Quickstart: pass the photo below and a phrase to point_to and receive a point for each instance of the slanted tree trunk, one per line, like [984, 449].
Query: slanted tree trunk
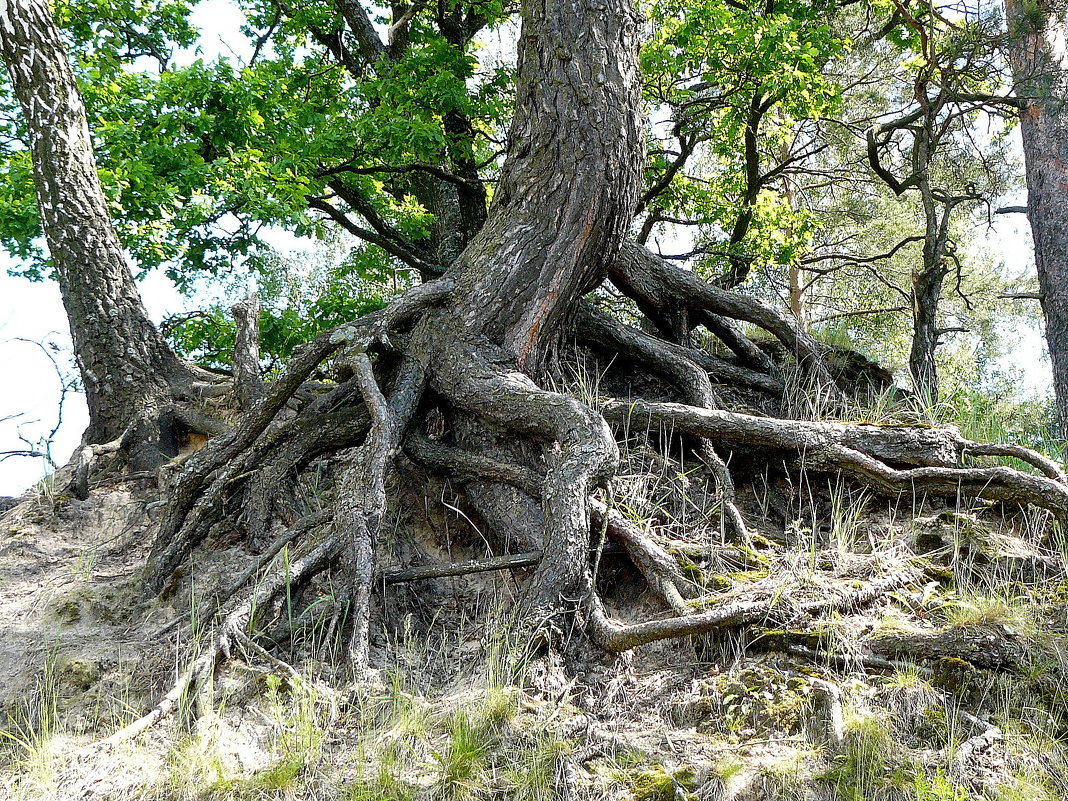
[127, 368]
[1036, 52]
[566, 196]
[569, 186]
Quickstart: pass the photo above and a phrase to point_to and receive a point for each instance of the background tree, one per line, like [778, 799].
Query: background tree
[129, 372]
[1034, 46]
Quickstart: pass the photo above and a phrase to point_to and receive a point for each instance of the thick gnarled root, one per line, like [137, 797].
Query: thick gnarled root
[580, 451]
[932, 459]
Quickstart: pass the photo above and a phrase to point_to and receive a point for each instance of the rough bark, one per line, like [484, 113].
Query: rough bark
[246, 360]
[128, 370]
[655, 564]
[926, 295]
[207, 474]
[1036, 52]
[583, 455]
[569, 184]
[566, 196]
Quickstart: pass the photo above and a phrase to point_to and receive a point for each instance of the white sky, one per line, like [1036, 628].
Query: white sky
[29, 389]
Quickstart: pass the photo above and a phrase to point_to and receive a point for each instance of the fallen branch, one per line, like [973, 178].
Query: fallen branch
[506, 562]
[988, 647]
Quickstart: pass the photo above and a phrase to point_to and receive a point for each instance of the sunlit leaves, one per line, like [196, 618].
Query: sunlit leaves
[301, 296]
[716, 69]
[197, 157]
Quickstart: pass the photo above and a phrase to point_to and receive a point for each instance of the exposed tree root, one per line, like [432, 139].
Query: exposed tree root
[362, 498]
[619, 637]
[601, 329]
[585, 455]
[986, 734]
[830, 711]
[851, 661]
[934, 456]
[276, 460]
[656, 565]
[221, 460]
[489, 564]
[659, 287]
[233, 628]
[194, 673]
[297, 530]
[82, 465]
[693, 382]
[564, 451]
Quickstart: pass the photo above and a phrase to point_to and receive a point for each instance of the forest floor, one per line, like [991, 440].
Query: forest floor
[951, 688]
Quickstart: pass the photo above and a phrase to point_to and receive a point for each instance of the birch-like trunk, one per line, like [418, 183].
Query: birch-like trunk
[127, 368]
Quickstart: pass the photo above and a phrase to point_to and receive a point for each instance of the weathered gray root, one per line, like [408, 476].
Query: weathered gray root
[656, 565]
[987, 647]
[81, 466]
[659, 569]
[279, 455]
[1047, 466]
[298, 529]
[934, 456]
[199, 672]
[362, 496]
[601, 329]
[221, 459]
[618, 637]
[512, 561]
[659, 287]
[582, 453]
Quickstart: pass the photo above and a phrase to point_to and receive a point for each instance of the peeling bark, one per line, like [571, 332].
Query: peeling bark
[1036, 48]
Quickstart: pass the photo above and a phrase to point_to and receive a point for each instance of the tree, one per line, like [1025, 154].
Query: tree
[129, 372]
[936, 128]
[455, 371]
[1035, 47]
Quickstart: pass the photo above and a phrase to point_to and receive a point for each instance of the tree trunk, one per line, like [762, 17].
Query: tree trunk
[127, 368]
[1036, 48]
[566, 196]
[570, 183]
[926, 294]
